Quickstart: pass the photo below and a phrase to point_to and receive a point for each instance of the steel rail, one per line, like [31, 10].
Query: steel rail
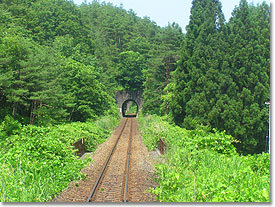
[128, 163]
[105, 165]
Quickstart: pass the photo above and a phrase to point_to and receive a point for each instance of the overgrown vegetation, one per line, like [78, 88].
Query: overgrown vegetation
[39, 162]
[202, 165]
[60, 65]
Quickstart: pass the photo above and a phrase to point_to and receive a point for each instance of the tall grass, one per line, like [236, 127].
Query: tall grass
[18, 185]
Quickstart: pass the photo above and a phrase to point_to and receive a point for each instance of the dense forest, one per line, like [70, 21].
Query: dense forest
[61, 64]
[53, 53]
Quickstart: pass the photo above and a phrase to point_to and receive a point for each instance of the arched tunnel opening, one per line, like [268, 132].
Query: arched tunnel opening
[129, 108]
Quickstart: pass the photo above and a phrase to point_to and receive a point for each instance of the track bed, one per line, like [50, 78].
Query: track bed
[129, 158]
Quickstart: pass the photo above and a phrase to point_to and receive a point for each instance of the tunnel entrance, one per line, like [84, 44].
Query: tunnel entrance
[129, 108]
[122, 97]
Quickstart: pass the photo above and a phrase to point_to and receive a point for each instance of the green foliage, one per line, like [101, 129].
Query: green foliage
[86, 98]
[37, 166]
[164, 55]
[10, 126]
[130, 67]
[92, 51]
[217, 74]
[199, 139]
[39, 162]
[129, 107]
[48, 85]
[121, 40]
[203, 166]
[61, 63]
[210, 177]
[222, 78]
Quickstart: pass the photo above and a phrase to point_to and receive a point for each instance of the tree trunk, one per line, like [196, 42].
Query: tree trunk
[40, 106]
[14, 108]
[70, 118]
[119, 42]
[167, 70]
[33, 107]
[167, 79]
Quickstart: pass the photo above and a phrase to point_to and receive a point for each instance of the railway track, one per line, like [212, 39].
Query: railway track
[112, 182]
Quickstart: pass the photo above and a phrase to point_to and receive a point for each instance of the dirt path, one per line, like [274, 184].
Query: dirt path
[141, 170]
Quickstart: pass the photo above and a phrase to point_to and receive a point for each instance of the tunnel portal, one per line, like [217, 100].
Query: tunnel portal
[124, 98]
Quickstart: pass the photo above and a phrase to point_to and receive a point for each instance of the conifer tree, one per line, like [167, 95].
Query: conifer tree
[195, 82]
[162, 62]
[249, 62]
[13, 50]
[223, 75]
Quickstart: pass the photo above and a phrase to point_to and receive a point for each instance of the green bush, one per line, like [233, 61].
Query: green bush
[202, 165]
[9, 127]
[37, 159]
[154, 127]
[39, 162]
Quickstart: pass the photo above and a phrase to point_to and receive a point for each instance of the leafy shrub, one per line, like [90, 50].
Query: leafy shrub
[203, 166]
[9, 126]
[40, 161]
[37, 158]
[153, 127]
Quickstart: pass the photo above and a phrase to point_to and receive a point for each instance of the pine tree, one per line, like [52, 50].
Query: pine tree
[162, 62]
[13, 50]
